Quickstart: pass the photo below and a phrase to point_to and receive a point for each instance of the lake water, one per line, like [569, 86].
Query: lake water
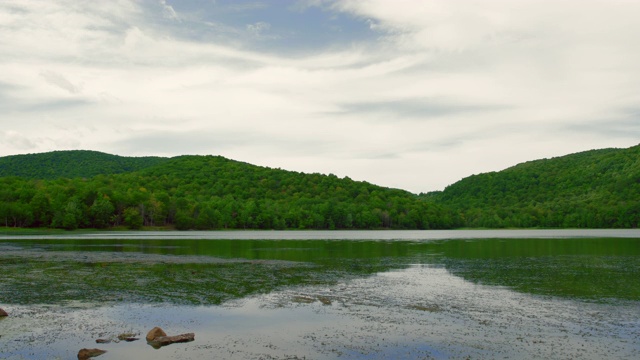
[530, 294]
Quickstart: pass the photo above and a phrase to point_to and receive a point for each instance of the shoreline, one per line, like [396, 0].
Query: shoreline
[409, 235]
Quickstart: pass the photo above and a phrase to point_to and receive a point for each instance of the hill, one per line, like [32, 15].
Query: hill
[591, 189]
[82, 189]
[72, 164]
[200, 192]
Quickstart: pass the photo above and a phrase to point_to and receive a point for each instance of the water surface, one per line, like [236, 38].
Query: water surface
[316, 295]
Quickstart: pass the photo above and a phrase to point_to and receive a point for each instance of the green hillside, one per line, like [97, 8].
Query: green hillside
[72, 164]
[204, 192]
[593, 189]
[88, 189]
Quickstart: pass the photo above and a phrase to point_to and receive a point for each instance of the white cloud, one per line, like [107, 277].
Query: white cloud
[168, 11]
[59, 81]
[14, 139]
[450, 88]
[258, 27]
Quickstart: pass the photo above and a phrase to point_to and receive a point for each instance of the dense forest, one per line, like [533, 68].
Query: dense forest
[196, 192]
[72, 164]
[88, 189]
[592, 189]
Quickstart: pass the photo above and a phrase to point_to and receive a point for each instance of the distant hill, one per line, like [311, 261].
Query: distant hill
[72, 164]
[594, 189]
[197, 192]
[88, 189]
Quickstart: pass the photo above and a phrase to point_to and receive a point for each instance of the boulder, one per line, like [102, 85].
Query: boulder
[166, 340]
[85, 354]
[154, 333]
[3, 313]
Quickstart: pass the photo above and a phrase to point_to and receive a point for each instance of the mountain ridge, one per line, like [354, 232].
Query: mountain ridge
[594, 188]
[208, 192]
[72, 164]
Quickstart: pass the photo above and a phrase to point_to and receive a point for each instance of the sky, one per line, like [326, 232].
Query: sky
[410, 94]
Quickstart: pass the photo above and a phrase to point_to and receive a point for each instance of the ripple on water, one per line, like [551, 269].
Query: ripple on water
[420, 312]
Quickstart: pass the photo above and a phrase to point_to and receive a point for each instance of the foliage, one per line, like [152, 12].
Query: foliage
[592, 189]
[205, 192]
[72, 164]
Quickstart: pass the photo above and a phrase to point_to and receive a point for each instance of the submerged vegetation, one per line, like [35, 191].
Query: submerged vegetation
[306, 298]
[209, 272]
[200, 272]
[87, 189]
[594, 269]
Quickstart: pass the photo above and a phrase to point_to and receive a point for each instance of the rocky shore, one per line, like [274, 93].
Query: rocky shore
[156, 338]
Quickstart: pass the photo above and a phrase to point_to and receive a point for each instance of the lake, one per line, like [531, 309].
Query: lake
[523, 294]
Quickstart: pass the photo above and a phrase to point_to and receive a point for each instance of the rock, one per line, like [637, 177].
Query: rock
[154, 333]
[85, 354]
[129, 337]
[324, 300]
[429, 308]
[303, 299]
[3, 313]
[166, 340]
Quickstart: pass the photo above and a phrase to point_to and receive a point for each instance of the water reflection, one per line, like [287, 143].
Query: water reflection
[595, 269]
[210, 272]
[324, 299]
[415, 313]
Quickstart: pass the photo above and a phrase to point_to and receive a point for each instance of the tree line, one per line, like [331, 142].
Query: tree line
[209, 192]
[592, 189]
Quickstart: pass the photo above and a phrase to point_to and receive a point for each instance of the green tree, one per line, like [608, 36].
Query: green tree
[71, 215]
[101, 212]
[133, 218]
[41, 209]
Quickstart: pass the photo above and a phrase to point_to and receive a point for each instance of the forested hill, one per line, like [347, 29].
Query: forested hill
[87, 189]
[199, 192]
[72, 164]
[595, 189]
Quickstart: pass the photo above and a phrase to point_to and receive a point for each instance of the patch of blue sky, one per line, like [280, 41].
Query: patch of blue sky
[279, 26]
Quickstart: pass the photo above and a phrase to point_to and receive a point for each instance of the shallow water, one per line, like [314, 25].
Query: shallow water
[557, 298]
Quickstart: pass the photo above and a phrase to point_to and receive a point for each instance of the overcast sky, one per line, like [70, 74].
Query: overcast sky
[406, 93]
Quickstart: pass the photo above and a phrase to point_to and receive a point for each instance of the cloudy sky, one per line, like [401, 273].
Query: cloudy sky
[413, 94]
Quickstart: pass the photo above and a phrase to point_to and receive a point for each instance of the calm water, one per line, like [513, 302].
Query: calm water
[325, 295]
